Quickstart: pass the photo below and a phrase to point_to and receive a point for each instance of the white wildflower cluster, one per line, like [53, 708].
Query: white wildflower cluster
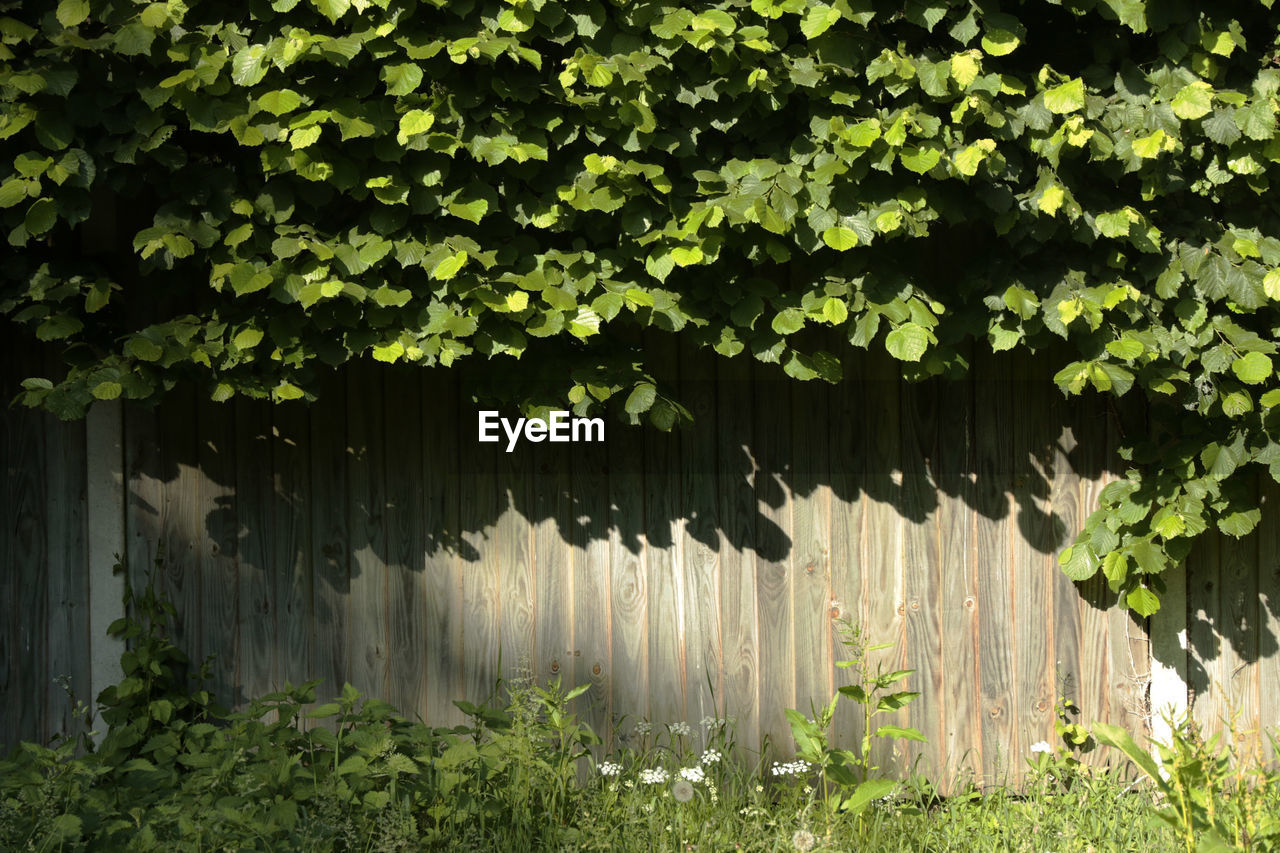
[711, 756]
[656, 776]
[643, 727]
[1041, 746]
[694, 774]
[791, 768]
[680, 729]
[610, 768]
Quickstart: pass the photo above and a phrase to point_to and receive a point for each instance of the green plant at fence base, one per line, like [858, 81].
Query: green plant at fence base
[848, 777]
[1212, 801]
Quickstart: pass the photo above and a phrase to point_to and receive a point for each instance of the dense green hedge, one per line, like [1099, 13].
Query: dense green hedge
[423, 181]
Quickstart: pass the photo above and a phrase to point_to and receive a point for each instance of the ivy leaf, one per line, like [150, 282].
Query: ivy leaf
[1252, 368]
[907, 342]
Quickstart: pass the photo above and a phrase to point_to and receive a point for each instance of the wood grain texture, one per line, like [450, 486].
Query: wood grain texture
[1204, 605]
[883, 604]
[407, 589]
[178, 577]
[513, 538]
[1069, 517]
[812, 635]
[664, 552]
[1238, 671]
[1031, 565]
[260, 638]
[442, 604]
[700, 540]
[330, 544]
[67, 637]
[479, 504]
[922, 566]
[1093, 648]
[1269, 610]
[553, 565]
[629, 594]
[735, 475]
[959, 749]
[993, 412]
[218, 545]
[291, 566]
[592, 583]
[366, 511]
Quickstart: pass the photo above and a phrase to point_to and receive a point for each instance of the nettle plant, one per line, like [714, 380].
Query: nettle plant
[304, 182]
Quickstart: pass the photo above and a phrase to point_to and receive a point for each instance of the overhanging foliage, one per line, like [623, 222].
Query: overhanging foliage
[424, 182]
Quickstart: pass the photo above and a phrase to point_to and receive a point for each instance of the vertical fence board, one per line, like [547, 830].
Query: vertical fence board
[736, 500]
[218, 546]
[629, 668]
[883, 607]
[961, 738]
[1032, 585]
[331, 538]
[1093, 686]
[553, 568]
[592, 582]
[404, 524]
[290, 547]
[480, 502]
[367, 504]
[993, 453]
[774, 570]
[1269, 610]
[922, 568]
[259, 598]
[1238, 702]
[700, 542]
[811, 544]
[180, 520]
[1064, 504]
[443, 601]
[67, 636]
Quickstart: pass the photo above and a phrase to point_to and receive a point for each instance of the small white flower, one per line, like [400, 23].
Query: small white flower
[802, 840]
[643, 727]
[682, 791]
[610, 768]
[681, 729]
[656, 776]
[1041, 746]
[792, 768]
[711, 756]
[694, 774]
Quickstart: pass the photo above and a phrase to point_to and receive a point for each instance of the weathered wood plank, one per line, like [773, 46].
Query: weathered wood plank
[255, 573]
[553, 564]
[629, 595]
[1269, 610]
[883, 606]
[1204, 604]
[290, 542]
[179, 577]
[407, 587]
[1238, 671]
[849, 474]
[330, 536]
[217, 541]
[592, 583]
[960, 746]
[442, 604]
[993, 412]
[736, 475]
[700, 538]
[367, 507]
[810, 409]
[25, 570]
[482, 498]
[1093, 694]
[1032, 566]
[664, 560]
[513, 548]
[922, 568]
[106, 493]
[67, 633]
[1068, 518]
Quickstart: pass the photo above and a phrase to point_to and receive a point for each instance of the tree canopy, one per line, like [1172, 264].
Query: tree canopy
[298, 183]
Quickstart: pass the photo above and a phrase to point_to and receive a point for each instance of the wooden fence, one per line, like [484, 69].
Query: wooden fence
[371, 538]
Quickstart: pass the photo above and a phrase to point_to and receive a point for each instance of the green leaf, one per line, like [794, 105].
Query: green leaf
[1142, 601]
[414, 122]
[107, 390]
[41, 215]
[401, 79]
[449, 267]
[280, 101]
[1078, 563]
[1193, 101]
[900, 733]
[908, 342]
[1221, 127]
[134, 39]
[1113, 735]
[1001, 34]
[247, 339]
[818, 20]
[143, 349]
[1066, 98]
[72, 12]
[920, 159]
[332, 9]
[835, 311]
[788, 321]
[13, 191]
[247, 68]
[840, 238]
[641, 398]
[1252, 368]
